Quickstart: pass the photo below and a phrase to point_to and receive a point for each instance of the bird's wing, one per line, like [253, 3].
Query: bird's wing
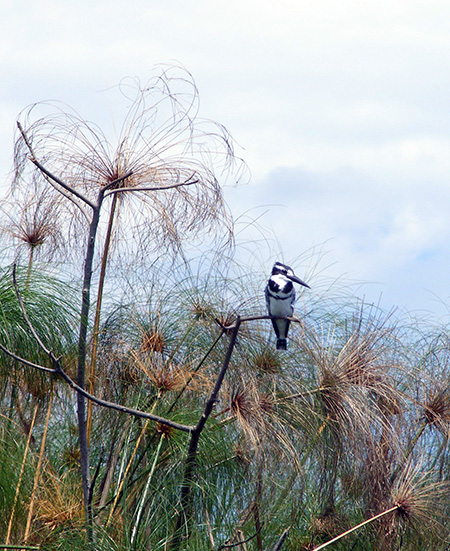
[266, 292]
[292, 300]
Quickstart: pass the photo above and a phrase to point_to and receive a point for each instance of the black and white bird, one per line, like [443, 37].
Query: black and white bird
[280, 298]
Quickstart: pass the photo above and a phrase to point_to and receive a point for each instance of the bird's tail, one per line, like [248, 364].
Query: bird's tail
[281, 344]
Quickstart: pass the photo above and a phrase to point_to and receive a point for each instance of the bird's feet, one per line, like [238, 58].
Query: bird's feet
[281, 344]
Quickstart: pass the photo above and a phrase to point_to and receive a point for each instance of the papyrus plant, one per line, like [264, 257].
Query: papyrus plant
[149, 189]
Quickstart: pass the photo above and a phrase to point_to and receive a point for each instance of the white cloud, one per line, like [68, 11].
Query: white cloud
[372, 229]
[351, 98]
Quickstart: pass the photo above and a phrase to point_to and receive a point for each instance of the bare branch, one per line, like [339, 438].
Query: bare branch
[26, 362]
[213, 398]
[119, 407]
[111, 405]
[186, 486]
[256, 318]
[49, 174]
[161, 188]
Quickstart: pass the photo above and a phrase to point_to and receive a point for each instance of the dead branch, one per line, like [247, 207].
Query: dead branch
[26, 362]
[149, 188]
[58, 370]
[246, 319]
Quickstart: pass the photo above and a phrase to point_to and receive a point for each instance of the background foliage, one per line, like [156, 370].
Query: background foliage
[351, 423]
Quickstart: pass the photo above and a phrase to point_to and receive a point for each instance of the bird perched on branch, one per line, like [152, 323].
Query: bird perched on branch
[280, 298]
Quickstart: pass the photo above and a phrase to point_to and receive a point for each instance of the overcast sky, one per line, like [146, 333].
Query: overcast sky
[341, 111]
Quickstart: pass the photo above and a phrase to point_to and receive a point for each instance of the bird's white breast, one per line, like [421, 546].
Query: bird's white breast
[281, 306]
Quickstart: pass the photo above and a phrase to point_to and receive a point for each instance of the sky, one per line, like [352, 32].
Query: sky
[340, 110]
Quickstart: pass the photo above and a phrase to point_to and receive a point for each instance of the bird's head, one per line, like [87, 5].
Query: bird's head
[287, 271]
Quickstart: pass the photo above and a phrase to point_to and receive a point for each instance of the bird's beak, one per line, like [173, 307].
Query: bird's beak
[296, 279]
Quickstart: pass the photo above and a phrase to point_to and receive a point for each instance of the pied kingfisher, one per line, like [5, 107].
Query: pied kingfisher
[280, 298]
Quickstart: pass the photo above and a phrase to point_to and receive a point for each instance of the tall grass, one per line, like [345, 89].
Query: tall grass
[315, 439]
[199, 434]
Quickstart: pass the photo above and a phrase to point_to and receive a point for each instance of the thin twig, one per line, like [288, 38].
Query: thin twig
[347, 532]
[149, 188]
[231, 545]
[26, 362]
